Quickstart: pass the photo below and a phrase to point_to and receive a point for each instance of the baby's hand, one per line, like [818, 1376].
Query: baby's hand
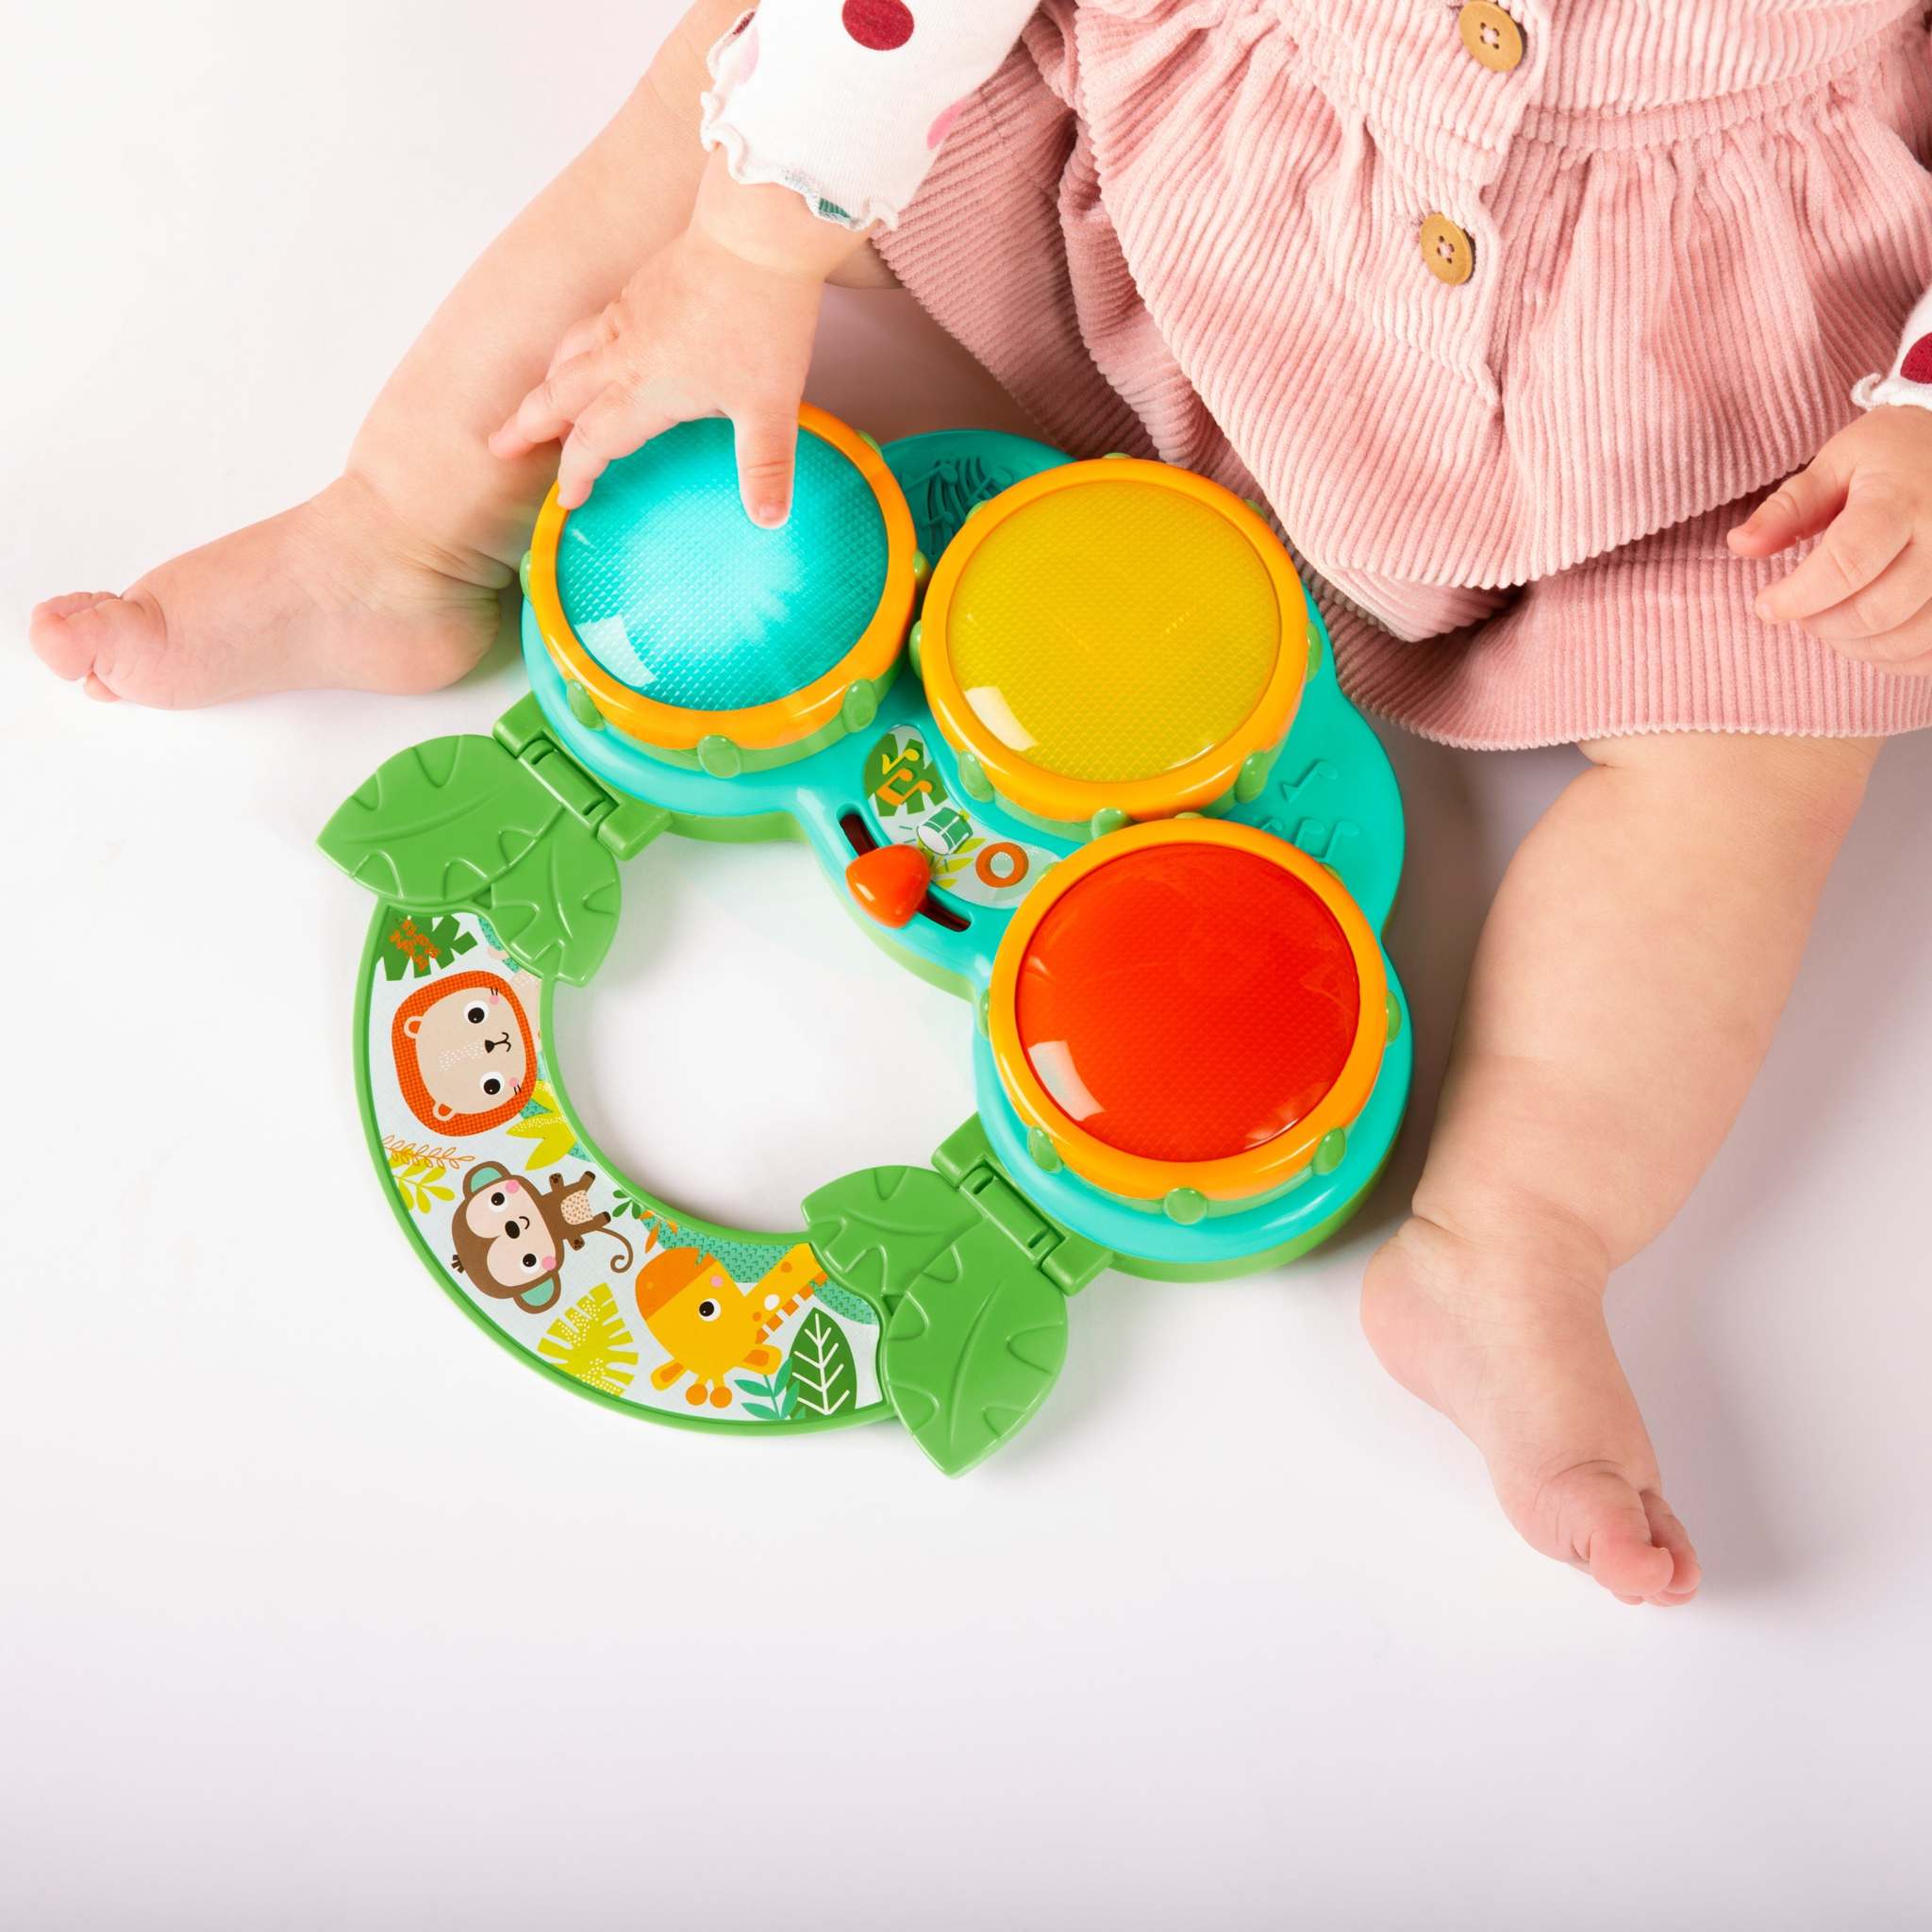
[719, 323]
[1867, 588]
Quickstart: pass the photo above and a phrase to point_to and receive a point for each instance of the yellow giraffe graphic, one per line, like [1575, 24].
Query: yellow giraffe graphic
[709, 1326]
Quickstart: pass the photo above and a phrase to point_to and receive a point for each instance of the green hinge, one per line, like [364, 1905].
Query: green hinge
[509, 825]
[971, 1282]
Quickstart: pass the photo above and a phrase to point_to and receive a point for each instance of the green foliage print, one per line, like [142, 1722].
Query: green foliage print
[901, 777]
[772, 1398]
[422, 946]
[623, 1203]
[824, 1376]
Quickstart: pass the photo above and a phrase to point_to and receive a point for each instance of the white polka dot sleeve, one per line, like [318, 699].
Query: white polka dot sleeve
[847, 102]
[1910, 379]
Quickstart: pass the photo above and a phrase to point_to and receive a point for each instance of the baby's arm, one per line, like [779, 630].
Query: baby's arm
[823, 120]
[1867, 496]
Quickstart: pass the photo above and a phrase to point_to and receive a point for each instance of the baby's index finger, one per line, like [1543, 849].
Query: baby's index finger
[767, 447]
[1762, 534]
[1801, 505]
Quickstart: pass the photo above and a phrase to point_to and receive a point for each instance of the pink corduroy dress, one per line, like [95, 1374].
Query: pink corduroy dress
[1505, 442]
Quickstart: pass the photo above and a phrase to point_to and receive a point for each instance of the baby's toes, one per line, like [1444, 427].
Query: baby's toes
[1667, 1533]
[89, 634]
[1626, 1538]
[60, 642]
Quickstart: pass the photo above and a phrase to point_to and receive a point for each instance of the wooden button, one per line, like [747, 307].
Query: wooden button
[1448, 254]
[1493, 39]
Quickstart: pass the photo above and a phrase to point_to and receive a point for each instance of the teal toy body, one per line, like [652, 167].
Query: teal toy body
[935, 1292]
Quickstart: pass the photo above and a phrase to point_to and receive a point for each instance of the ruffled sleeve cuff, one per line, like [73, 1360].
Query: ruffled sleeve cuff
[848, 104]
[1909, 379]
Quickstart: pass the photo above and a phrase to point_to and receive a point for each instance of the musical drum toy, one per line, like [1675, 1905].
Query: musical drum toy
[1088, 767]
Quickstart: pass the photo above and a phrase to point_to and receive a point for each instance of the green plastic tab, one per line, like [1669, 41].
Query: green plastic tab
[719, 756]
[973, 779]
[862, 705]
[1185, 1207]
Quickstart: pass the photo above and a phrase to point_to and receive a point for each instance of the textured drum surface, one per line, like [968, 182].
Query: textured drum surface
[1188, 1003]
[678, 595]
[1114, 631]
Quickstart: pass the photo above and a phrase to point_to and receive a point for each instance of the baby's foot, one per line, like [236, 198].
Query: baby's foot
[1513, 1349]
[332, 594]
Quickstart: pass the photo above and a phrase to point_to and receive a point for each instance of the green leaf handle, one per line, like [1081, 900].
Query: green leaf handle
[556, 908]
[974, 1347]
[463, 822]
[878, 1230]
[437, 825]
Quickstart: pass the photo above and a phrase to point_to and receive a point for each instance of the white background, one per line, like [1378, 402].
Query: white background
[321, 1611]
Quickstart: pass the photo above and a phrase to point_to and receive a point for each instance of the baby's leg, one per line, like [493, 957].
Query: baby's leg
[1623, 993]
[387, 580]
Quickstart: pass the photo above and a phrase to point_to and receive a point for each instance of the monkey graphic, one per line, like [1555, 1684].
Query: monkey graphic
[510, 1239]
[465, 1052]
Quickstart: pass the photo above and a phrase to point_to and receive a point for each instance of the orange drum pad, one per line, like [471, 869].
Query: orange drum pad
[1189, 1005]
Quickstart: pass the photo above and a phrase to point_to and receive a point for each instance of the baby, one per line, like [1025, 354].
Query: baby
[1502, 308]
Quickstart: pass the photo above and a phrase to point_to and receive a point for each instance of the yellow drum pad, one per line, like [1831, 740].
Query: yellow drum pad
[1114, 634]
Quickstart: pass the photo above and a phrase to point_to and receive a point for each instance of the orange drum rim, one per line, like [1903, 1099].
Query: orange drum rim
[1189, 786]
[1235, 1177]
[784, 721]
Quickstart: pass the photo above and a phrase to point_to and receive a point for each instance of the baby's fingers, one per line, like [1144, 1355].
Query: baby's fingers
[1800, 506]
[581, 338]
[1866, 623]
[553, 405]
[617, 421]
[1858, 544]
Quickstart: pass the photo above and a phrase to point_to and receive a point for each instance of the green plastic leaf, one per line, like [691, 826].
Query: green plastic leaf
[972, 1348]
[462, 821]
[556, 908]
[824, 1376]
[764, 1411]
[437, 823]
[878, 1230]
